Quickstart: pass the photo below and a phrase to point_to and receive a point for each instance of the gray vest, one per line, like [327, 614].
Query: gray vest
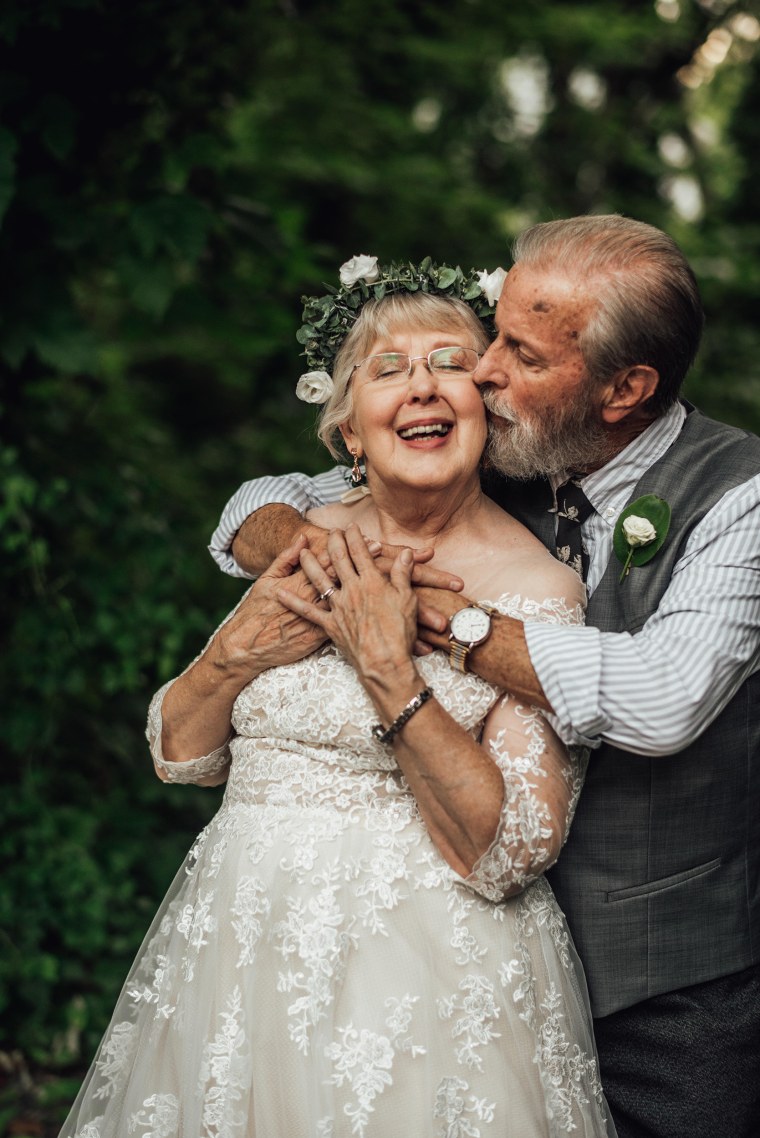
[660, 877]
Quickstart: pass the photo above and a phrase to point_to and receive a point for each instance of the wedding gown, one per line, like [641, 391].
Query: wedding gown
[317, 970]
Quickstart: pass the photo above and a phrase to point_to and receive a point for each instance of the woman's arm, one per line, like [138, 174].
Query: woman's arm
[192, 721]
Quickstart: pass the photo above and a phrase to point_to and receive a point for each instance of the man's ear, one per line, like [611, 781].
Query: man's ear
[629, 391]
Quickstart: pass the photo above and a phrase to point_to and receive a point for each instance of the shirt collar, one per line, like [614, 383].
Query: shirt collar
[609, 488]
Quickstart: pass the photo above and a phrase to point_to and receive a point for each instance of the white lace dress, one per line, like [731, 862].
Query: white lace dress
[317, 970]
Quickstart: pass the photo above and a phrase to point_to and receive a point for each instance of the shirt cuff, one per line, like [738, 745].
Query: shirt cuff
[568, 664]
[250, 497]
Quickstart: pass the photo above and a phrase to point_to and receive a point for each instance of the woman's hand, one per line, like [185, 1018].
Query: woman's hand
[263, 632]
[372, 619]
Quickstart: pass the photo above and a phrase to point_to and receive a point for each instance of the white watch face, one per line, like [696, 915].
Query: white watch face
[470, 625]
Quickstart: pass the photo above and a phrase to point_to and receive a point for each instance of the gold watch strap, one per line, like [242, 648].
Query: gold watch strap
[458, 654]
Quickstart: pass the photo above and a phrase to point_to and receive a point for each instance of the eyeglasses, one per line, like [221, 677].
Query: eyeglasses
[394, 367]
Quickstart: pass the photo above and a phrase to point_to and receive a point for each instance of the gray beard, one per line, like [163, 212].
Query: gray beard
[564, 441]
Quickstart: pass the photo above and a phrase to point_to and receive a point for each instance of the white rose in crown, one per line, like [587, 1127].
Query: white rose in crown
[492, 284]
[361, 268]
[638, 531]
[314, 387]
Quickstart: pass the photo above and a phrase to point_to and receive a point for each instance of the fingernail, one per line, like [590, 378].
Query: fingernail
[374, 546]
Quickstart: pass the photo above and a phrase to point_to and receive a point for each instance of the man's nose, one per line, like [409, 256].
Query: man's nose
[491, 368]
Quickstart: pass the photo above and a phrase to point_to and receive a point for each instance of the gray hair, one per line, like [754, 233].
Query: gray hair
[649, 309]
[422, 310]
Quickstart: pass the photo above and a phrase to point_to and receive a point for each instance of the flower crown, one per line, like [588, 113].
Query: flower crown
[329, 319]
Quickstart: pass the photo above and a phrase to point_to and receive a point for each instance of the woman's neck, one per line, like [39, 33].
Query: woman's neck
[423, 518]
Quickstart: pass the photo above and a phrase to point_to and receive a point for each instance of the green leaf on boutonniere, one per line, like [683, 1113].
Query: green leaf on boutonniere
[648, 522]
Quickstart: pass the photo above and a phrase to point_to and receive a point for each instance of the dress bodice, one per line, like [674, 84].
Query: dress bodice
[319, 703]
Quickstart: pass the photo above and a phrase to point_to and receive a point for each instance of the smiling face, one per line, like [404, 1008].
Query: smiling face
[547, 411]
[422, 431]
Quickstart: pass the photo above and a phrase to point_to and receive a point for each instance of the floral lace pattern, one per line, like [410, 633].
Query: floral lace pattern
[318, 969]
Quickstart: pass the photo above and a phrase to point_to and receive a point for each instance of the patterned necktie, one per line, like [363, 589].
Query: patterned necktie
[573, 507]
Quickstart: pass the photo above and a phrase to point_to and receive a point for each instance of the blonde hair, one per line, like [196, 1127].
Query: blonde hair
[380, 318]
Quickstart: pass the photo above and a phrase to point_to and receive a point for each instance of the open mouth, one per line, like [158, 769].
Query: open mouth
[426, 430]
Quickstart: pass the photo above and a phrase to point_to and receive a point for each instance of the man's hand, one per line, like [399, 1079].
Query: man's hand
[423, 574]
[265, 533]
[435, 608]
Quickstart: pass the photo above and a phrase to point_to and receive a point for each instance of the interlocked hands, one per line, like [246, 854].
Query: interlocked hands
[371, 617]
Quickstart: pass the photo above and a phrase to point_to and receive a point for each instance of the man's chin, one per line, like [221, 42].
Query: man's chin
[523, 451]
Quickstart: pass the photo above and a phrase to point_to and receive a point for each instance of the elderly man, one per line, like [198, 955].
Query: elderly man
[597, 325]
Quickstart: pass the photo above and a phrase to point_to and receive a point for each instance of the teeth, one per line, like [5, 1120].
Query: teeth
[440, 430]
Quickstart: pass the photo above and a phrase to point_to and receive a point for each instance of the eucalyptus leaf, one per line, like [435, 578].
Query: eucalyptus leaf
[447, 277]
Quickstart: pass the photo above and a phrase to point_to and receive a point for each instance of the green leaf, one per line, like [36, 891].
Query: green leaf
[178, 223]
[655, 510]
[64, 344]
[447, 277]
[150, 286]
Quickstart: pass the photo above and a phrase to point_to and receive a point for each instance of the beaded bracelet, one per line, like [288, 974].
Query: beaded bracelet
[385, 735]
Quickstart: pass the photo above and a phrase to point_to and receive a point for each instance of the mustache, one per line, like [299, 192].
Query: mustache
[491, 401]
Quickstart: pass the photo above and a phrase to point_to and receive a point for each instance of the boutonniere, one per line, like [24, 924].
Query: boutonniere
[640, 531]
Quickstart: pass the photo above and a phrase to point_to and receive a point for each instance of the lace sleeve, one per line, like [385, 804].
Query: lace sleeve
[207, 769]
[542, 781]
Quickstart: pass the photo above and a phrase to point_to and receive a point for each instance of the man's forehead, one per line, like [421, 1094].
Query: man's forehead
[544, 295]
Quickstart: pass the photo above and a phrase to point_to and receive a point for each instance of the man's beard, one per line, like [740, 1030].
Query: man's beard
[566, 439]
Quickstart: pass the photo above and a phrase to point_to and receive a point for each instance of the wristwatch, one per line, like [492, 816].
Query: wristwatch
[468, 627]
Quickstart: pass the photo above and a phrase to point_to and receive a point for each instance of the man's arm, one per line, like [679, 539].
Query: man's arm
[655, 692]
[264, 517]
[503, 659]
[264, 535]
[298, 491]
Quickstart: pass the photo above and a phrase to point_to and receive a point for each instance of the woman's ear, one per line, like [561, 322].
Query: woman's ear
[628, 392]
[351, 439]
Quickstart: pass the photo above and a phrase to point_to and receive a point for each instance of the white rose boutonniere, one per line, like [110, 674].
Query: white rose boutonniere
[314, 387]
[359, 268]
[492, 284]
[640, 531]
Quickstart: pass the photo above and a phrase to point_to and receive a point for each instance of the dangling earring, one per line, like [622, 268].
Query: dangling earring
[357, 474]
[358, 480]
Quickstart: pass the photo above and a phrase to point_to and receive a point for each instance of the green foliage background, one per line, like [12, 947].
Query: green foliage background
[173, 176]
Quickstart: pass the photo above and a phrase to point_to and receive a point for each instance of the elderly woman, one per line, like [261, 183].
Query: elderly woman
[361, 942]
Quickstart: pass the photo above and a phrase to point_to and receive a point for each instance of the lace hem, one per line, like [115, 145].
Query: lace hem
[192, 770]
